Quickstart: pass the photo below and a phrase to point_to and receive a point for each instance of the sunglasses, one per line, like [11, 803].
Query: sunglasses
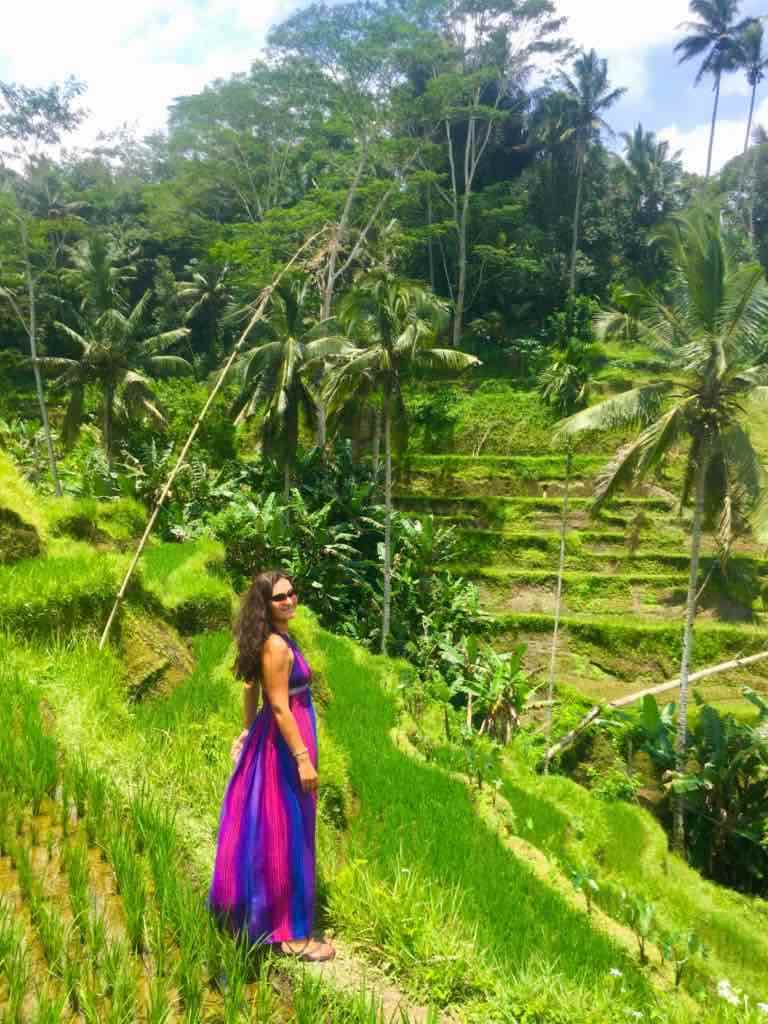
[283, 597]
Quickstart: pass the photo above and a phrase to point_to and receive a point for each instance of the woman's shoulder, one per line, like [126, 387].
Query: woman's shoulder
[277, 644]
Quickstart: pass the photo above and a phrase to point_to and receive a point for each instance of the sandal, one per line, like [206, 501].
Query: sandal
[307, 955]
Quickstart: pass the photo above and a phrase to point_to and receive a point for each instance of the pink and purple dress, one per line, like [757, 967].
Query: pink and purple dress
[264, 874]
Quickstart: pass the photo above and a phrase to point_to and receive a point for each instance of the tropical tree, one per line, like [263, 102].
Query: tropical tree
[711, 330]
[754, 60]
[277, 374]
[31, 118]
[116, 355]
[715, 37]
[100, 274]
[654, 175]
[589, 92]
[395, 325]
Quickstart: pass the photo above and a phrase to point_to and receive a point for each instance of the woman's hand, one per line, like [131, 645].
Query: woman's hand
[237, 746]
[307, 775]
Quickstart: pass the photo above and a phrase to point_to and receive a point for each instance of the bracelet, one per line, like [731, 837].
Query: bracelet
[301, 753]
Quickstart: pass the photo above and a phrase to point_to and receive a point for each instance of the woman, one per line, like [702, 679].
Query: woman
[264, 875]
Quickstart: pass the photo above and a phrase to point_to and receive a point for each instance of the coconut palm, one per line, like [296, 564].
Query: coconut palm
[395, 324]
[715, 38]
[277, 374]
[653, 173]
[591, 95]
[100, 273]
[712, 331]
[116, 355]
[754, 60]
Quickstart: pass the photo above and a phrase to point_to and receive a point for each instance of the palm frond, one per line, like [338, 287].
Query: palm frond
[619, 472]
[744, 311]
[658, 438]
[637, 406]
[169, 366]
[446, 359]
[161, 342]
[73, 335]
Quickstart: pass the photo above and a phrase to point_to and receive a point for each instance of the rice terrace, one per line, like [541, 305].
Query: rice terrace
[384, 519]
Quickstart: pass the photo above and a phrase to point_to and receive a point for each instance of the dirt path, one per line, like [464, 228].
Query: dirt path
[349, 973]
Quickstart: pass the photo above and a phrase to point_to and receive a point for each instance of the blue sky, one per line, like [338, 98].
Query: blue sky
[137, 56]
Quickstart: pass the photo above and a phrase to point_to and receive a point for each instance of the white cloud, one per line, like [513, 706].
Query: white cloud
[135, 57]
[730, 134]
[625, 33]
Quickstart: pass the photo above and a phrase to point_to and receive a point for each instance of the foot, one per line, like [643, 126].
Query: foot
[309, 950]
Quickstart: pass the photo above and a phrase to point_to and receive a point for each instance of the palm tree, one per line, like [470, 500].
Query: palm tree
[591, 95]
[715, 37]
[115, 355]
[711, 330]
[654, 175]
[395, 324]
[277, 374]
[99, 274]
[754, 61]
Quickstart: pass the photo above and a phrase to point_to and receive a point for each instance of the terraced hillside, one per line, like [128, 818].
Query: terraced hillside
[407, 842]
[626, 569]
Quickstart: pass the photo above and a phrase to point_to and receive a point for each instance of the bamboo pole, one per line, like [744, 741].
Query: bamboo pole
[258, 314]
[651, 691]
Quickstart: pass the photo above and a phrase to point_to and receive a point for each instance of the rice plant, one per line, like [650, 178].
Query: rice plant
[76, 860]
[97, 940]
[18, 976]
[50, 1009]
[309, 1000]
[129, 877]
[123, 1007]
[158, 1005]
[263, 1009]
[98, 797]
[52, 938]
[235, 967]
[120, 981]
[79, 774]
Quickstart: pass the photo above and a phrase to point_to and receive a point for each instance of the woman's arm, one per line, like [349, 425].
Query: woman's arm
[275, 672]
[250, 704]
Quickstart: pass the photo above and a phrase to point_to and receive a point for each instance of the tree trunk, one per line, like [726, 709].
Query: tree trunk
[678, 832]
[576, 219]
[749, 123]
[714, 122]
[321, 432]
[750, 203]
[559, 596]
[376, 441]
[387, 522]
[649, 691]
[287, 481]
[109, 400]
[32, 331]
[430, 249]
[461, 287]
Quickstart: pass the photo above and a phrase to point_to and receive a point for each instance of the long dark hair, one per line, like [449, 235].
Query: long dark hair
[254, 624]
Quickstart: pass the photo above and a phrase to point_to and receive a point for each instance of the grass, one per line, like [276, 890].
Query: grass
[150, 949]
[428, 823]
[74, 584]
[121, 520]
[23, 530]
[188, 582]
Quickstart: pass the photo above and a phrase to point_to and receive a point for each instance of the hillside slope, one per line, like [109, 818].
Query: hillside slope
[415, 874]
